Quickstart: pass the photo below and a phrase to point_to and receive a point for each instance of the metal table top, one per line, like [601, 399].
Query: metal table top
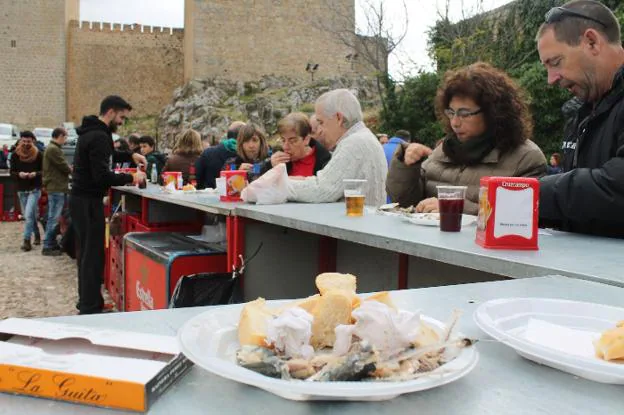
[502, 383]
[205, 202]
[572, 255]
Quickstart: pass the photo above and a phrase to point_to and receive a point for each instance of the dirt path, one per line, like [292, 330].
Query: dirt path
[32, 285]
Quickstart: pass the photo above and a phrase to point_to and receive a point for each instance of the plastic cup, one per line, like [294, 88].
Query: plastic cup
[451, 203]
[354, 196]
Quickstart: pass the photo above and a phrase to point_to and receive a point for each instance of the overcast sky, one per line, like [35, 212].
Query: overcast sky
[412, 53]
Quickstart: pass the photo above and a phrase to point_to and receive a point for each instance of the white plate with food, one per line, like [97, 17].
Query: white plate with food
[433, 219]
[393, 209]
[365, 370]
[584, 339]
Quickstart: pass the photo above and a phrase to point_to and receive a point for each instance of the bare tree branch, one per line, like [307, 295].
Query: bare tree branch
[373, 40]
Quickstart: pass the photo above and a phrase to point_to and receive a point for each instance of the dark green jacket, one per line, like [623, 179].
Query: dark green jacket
[55, 169]
[156, 158]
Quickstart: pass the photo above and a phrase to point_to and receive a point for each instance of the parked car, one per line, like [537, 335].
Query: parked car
[9, 134]
[43, 134]
[72, 137]
[69, 150]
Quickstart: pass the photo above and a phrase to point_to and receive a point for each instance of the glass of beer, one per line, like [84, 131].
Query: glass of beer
[354, 196]
[451, 203]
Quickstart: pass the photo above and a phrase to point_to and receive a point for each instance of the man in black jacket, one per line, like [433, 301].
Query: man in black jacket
[580, 46]
[91, 179]
[210, 163]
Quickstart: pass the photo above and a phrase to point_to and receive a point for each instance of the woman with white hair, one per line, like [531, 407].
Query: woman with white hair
[357, 154]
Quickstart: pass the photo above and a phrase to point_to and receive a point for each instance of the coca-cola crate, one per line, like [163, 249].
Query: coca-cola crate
[114, 282]
[113, 269]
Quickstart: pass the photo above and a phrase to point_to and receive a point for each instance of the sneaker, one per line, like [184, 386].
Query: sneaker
[26, 246]
[51, 252]
[37, 240]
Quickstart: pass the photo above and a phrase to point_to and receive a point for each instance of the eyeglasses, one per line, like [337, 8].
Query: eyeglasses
[462, 113]
[291, 140]
[557, 14]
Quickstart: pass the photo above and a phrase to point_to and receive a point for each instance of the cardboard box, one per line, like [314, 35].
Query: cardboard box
[508, 213]
[92, 366]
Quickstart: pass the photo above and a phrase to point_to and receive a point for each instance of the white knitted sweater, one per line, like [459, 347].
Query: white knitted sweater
[358, 155]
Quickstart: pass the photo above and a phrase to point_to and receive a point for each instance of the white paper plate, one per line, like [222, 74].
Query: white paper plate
[508, 319]
[433, 219]
[210, 341]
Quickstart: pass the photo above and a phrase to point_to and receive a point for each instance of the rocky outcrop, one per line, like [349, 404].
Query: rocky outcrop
[210, 105]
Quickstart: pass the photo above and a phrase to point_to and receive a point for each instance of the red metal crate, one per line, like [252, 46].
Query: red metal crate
[12, 212]
[115, 280]
[154, 262]
[134, 224]
[113, 271]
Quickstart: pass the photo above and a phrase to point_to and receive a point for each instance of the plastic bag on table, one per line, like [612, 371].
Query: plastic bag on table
[269, 189]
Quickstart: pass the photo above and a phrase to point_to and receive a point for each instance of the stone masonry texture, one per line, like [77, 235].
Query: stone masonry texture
[32, 62]
[55, 68]
[245, 39]
[142, 64]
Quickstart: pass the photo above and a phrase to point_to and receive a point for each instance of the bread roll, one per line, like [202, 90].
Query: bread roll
[308, 304]
[610, 346]
[334, 308]
[252, 326]
[382, 297]
[331, 281]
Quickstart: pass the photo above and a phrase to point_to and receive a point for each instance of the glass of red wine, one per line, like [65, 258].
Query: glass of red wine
[451, 205]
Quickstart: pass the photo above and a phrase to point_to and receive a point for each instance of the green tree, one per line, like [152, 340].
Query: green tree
[505, 38]
[545, 103]
[411, 107]
[416, 107]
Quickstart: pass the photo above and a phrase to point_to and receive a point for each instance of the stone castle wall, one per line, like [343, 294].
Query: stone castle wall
[55, 68]
[143, 64]
[32, 63]
[245, 39]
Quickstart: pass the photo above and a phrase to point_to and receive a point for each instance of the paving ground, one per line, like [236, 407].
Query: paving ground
[32, 285]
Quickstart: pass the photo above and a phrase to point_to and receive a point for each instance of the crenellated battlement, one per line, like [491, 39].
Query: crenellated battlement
[59, 67]
[91, 26]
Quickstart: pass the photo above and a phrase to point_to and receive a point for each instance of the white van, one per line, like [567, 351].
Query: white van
[43, 134]
[9, 134]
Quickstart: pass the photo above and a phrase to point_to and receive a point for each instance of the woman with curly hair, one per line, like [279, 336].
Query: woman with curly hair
[488, 129]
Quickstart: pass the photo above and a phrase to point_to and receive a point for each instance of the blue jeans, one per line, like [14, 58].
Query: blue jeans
[28, 202]
[56, 201]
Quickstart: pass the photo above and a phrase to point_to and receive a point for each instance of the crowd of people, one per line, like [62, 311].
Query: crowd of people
[484, 114]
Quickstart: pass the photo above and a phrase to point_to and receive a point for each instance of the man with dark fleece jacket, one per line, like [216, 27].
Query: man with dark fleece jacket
[91, 179]
[210, 163]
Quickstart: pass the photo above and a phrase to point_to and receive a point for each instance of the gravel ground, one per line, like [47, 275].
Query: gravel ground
[32, 285]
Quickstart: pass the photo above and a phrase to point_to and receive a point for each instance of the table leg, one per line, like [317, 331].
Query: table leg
[327, 254]
[403, 271]
[144, 210]
[239, 240]
[235, 234]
